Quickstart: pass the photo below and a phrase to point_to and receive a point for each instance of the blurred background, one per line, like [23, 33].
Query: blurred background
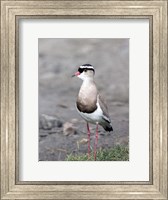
[61, 130]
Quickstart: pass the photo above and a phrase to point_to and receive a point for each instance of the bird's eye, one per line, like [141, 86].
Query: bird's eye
[85, 70]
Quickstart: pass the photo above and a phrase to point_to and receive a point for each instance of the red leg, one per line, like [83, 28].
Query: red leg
[88, 140]
[96, 141]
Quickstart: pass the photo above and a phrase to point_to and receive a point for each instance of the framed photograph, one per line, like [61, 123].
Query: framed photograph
[84, 99]
[63, 137]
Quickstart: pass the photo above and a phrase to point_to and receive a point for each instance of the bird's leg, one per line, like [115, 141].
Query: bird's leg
[96, 141]
[88, 140]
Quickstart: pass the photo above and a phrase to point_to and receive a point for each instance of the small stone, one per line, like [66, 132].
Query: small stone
[62, 106]
[59, 124]
[69, 129]
[101, 133]
[74, 120]
[47, 122]
[43, 134]
[83, 141]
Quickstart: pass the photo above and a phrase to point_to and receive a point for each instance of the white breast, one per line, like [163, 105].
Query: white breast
[95, 117]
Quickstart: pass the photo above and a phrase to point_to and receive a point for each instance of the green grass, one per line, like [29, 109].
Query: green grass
[117, 153]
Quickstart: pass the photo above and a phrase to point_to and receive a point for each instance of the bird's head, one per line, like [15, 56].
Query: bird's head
[85, 71]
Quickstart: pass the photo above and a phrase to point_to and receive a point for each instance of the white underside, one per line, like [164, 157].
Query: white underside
[95, 117]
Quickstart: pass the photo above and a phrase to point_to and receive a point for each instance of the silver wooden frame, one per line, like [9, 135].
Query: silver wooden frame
[11, 12]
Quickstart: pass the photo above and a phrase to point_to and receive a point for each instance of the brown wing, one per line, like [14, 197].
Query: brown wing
[103, 106]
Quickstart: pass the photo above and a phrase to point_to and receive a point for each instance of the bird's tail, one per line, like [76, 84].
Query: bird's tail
[108, 127]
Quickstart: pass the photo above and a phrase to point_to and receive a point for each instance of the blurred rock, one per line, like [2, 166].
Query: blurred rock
[83, 141]
[43, 134]
[74, 120]
[62, 106]
[69, 129]
[47, 122]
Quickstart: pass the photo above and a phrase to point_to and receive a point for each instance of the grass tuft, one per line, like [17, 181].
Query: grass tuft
[117, 153]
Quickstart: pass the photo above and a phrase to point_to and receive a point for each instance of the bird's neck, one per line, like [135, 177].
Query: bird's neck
[88, 81]
[87, 86]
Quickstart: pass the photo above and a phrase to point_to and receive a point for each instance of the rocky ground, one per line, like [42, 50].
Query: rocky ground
[61, 130]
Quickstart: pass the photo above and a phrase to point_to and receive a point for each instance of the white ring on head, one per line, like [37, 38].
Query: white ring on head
[88, 67]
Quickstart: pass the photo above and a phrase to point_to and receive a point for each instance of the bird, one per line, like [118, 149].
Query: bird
[90, 104]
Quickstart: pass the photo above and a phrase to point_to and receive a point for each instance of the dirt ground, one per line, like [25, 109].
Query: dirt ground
[61, 130]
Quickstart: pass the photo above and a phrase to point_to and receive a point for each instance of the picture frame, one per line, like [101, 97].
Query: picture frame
[11, 12]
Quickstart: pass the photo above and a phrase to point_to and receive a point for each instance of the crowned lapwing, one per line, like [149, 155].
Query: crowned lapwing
[90, 104]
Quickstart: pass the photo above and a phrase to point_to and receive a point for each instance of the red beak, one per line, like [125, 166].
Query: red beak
[76, 74]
